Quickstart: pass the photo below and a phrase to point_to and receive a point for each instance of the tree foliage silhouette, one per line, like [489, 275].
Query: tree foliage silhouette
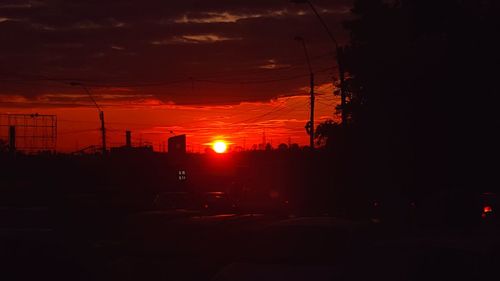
[326, 133]
[422, 85]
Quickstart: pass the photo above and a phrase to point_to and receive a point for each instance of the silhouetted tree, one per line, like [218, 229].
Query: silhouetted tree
[269, 147]
[3, 146]
[294, 147]
[283, 147]
[422, 88]
[326, 132]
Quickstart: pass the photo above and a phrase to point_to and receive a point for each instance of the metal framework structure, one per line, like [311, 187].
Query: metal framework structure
[32, 132]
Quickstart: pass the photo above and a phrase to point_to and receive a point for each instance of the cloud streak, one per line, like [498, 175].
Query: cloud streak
[194, 39]
[204, 68]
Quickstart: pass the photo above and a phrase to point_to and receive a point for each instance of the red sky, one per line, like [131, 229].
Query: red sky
[208, 69]
[151, 121]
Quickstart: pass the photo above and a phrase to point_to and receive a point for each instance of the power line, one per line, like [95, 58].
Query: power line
[26, 79]
[78, 131]
[262, 81]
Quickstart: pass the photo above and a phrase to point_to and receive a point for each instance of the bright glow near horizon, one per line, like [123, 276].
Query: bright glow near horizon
[219, 146]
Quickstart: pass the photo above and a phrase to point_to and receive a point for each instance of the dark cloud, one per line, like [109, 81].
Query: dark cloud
[188, 52]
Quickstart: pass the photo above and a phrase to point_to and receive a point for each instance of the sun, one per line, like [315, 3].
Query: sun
[219, 146]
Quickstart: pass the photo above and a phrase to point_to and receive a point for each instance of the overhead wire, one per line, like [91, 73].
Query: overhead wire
[284, 108]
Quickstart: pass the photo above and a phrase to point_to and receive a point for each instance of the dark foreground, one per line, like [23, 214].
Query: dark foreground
[190, 245]
[259, 219]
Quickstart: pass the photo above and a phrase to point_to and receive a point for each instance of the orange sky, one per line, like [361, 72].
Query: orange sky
[227, 70]
[151, 121]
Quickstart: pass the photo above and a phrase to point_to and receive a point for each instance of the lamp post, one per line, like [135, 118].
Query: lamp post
[340, 54]
[310, 124]
[101, 115]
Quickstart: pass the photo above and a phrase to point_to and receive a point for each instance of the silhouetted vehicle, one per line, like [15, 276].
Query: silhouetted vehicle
[216, 201]
[489, 205]
[439, 209]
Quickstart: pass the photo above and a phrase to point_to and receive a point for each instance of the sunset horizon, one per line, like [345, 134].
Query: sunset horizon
[152, 122]
[243, 140]
[204, 70]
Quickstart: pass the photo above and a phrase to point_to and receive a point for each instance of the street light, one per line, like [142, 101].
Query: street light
[340, 53]
[310, 124]
[101, 114]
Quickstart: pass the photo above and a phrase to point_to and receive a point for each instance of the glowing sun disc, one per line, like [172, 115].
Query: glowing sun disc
[219, 146]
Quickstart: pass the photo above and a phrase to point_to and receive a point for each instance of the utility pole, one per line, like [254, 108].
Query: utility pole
[101, 115]
[340, 63]
[310, 125]
[128, 138]
[103, 132]
[12, 140]
[340, 60]
[311, 118]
